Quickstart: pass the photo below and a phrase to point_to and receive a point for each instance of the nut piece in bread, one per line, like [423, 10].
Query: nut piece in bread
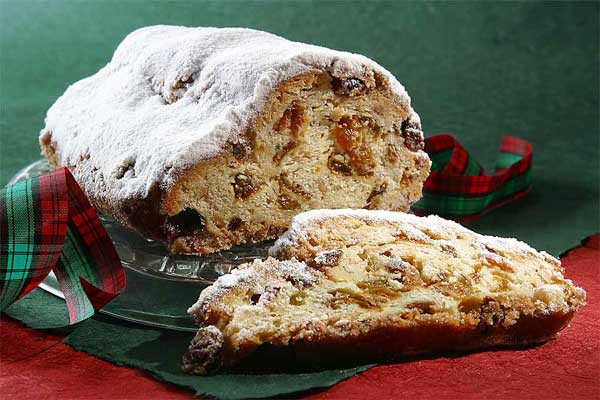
[205, 138]
[377, 285]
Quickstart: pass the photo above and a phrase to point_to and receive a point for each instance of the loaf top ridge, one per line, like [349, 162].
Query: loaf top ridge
[173, 96]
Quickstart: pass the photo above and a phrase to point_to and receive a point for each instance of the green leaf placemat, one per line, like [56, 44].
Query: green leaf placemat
[159, 352]
[40, 310]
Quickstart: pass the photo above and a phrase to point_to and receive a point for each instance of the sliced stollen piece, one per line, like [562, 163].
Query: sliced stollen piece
[205, 138]
[377, 285]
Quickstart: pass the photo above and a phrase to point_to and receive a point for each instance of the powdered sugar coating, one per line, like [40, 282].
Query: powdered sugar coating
[252, 276]
[173, 96]
[424, 229]
[327, 257]
[411, 225]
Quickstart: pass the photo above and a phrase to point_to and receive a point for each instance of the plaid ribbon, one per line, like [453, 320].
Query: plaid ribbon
[458, 187]
[47, 224]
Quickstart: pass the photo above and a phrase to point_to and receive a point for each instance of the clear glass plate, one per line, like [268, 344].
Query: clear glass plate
[160, 285]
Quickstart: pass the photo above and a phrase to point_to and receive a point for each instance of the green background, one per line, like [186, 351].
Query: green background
[477, 70]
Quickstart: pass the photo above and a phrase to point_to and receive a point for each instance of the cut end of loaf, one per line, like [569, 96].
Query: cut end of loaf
[204, 138]
[320, 142]
[364, 284]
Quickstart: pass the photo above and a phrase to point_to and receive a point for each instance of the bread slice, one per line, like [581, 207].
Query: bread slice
[205, 138]
[375, 284]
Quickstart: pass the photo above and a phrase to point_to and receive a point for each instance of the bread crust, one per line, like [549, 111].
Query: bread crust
[392, 338]
[396, 342]
[373, 285]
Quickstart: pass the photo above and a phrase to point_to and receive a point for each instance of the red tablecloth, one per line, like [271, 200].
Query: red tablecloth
[38, 365]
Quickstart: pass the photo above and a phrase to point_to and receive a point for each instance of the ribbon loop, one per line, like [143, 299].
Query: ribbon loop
[47, 224]
[458, 187]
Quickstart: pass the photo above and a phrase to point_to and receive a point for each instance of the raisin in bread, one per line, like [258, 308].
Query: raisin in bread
[376, 284]
[205, 138]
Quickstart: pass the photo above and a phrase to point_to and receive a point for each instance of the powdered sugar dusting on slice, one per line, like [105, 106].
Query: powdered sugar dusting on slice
[507, 244]
[257, 276]
[428, 229]
[327, 257]
[229, 280]
[549, 258]
[297, 272]
[411, 226]
[173, 96]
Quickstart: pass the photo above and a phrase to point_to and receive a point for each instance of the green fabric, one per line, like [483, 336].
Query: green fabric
[159, 352]
[477, 70]
[40, 310]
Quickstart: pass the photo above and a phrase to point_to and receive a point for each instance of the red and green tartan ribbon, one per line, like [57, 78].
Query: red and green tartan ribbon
[47, 224]
[458, 187]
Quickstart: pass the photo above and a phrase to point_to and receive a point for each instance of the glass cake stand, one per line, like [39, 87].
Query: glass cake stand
[160, 285]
